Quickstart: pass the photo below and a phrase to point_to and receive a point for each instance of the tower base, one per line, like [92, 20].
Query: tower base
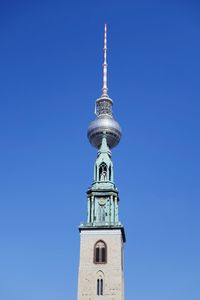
[104, 280]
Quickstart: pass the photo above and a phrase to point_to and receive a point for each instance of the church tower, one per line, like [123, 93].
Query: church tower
[102, 237]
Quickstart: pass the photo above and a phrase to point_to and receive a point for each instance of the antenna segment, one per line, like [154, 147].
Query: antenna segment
[105, 65]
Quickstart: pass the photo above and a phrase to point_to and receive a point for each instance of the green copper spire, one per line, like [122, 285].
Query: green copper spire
[104, 147]
[103, 195]
[103, 169]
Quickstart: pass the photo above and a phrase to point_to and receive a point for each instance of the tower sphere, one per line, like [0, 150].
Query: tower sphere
[104, 125]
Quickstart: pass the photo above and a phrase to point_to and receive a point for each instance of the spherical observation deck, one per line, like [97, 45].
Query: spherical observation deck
[104, 125]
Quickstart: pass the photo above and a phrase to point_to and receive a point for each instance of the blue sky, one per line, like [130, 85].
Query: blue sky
[51, 75]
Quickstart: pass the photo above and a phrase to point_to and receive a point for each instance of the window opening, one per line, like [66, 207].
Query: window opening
[100, 287]
[97, 254]
[110, 173]
[100, 253]
[103, 172]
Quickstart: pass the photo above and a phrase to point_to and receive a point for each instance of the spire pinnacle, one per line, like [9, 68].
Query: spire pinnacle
[105, 66]
[104, 146]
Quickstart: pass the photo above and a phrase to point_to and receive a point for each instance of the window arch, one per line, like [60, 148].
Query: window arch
[103, 172]
[100, 283]
[100, 253]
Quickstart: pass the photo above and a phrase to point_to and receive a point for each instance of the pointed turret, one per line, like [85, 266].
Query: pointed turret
[103, 169]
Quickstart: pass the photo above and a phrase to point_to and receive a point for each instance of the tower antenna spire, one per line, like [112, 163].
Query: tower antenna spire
[104, 124]
[105, 65]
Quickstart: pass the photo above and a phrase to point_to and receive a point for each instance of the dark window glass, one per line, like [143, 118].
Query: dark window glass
[98, 287]
[110, 173]
[103, 255]
[97, 255]
[100, 253]
[101, 291]
[103, 172]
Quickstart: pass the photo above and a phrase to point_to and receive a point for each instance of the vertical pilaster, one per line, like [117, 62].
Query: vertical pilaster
[116, 210]
[112, 209]
[89, 211]
[92, 209]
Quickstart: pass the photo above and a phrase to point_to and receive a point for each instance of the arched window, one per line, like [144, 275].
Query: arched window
[100, 253]
[103, 172]
[100, 287]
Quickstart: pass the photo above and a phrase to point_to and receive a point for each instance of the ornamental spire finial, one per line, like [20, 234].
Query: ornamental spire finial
[105, 88]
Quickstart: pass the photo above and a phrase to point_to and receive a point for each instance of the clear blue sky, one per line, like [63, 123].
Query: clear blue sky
[50, 77]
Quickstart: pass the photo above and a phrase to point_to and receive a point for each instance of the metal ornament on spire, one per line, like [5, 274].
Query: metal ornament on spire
[105, 65]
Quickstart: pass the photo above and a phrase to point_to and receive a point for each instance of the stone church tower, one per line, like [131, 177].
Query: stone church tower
[102, 237]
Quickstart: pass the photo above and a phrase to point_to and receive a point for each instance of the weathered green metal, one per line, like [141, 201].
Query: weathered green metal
[103, 194]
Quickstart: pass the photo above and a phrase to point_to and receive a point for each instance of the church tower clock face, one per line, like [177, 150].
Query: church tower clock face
[102, 201]
[102, 237]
